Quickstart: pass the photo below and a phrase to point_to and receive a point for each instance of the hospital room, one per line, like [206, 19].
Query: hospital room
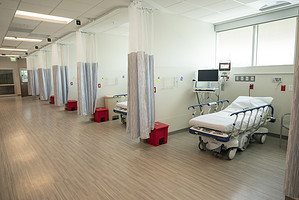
[149, 99]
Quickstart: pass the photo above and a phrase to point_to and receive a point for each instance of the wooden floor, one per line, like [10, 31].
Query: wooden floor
[49, 153]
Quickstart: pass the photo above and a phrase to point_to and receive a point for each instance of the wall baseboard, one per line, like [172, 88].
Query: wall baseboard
[284, 137]
[178, 131]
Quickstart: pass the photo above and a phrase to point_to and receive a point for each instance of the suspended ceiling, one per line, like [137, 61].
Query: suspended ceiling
[212, 11]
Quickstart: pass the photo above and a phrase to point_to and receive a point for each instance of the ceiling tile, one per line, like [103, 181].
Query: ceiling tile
[181, 7]
[91, 2]
[203, 2]
[10, 4]
[224, 5]
[229, 14]
[198, 13]
[9, 43]
[165, 3]
[67, 13]
[25, 45]
[17, 34]
[105, 6]
[74, 6]
[47, 28]
[24, 23]
[117, 18]
[7, 13]
[48, 3]
[35, 8]
[246, 1]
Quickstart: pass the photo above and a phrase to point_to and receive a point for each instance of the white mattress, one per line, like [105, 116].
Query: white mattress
[122, 105]
[222, 121]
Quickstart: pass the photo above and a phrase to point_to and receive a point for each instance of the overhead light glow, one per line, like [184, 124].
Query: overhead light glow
[22, 39]
[42, 17]
[4, 55]
[9, 49]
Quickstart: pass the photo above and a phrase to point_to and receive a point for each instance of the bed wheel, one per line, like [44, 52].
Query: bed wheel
[201, 146]
[231, 153]
[262, 138]
[123, 119]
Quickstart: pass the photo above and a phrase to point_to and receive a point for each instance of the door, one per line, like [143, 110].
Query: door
[24, 82]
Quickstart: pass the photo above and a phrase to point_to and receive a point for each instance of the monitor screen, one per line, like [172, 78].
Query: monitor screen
[208, 75]
[224, 66]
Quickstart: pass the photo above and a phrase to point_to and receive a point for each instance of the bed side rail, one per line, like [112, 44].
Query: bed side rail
[216, 103]
[254, 117]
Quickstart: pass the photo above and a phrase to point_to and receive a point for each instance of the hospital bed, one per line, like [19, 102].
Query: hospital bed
[232, 128]
[121, 108]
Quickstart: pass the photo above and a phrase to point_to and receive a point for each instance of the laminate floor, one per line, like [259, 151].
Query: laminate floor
[49, 153]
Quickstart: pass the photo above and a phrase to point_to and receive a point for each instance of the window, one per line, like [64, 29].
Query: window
[6, 77]
[6, 82]
[276, 42]
[270, 43]
[236, 46]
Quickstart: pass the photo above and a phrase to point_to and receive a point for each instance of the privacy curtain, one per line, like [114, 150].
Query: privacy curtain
[141, 103]
[87, 72]
[33, 86]
[44, 75]
[60, 67]
[291, 181]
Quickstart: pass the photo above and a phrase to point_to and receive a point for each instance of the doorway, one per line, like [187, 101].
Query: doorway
[24, 82]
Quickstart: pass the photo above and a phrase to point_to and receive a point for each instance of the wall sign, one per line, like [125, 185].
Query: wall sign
[99, 85]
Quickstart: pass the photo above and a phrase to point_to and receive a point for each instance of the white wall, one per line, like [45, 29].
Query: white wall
[181, 47]
[263, 87]
[113, 65]
[112, 59]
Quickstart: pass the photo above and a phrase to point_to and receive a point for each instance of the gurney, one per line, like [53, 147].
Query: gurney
[121, 108]
[227, 130]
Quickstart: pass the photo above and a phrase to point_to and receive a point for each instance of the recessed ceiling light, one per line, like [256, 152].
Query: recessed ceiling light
[22, 39]
[9, 49]
[4, 55]
[42, 17]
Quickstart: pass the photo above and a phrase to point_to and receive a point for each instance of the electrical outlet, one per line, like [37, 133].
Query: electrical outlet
[290, 88]
[276, 79]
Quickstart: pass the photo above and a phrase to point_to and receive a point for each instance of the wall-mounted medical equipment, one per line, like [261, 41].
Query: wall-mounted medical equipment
[224, 66]
[234, 127]
[245, 78]
[208, 75]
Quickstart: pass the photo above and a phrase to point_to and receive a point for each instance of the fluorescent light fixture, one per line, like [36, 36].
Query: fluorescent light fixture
[9, 49]
[22, 39]
[42, 17]
[277, 4]
[4, 55]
